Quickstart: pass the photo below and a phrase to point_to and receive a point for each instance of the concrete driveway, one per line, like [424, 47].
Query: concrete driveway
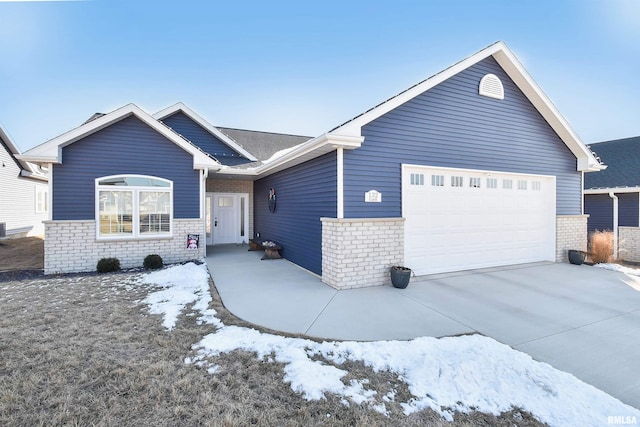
[580, 319]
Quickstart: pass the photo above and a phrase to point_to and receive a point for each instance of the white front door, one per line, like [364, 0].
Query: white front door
[228, 218]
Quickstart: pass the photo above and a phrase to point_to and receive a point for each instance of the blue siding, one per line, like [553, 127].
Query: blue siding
[305, 193]
[452, 126]
[599, 207]
[191, 130]
[126, 147]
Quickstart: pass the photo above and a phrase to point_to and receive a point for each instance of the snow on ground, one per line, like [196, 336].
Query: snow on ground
[183, 285]
[619, 268]
[463, 373]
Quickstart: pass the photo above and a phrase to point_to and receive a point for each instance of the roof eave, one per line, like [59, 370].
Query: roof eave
[309, 150]
[15, 151]
[510, 64]
[607, 190]
[206, 125]
[51, 151]
[507, 60]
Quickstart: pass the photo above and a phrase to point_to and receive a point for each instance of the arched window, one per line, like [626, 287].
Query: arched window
[133, 206]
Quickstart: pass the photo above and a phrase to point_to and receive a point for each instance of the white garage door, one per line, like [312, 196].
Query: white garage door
[460, 219]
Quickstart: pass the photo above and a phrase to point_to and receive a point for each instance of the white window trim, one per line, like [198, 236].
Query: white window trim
[136, 207]
[42, 199]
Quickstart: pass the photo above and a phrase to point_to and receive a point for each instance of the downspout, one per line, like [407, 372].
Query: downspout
[615, 224]
[340, 182]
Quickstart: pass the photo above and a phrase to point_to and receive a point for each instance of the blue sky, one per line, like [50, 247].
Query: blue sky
[302, 67]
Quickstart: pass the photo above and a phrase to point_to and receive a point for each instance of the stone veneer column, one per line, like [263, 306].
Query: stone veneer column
[358, 252]
[571, 233]
[629, 244]
[71, 246]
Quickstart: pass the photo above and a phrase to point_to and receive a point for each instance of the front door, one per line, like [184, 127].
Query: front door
[228, 218]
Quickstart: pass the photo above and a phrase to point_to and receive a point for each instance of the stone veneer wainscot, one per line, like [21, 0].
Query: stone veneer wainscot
[571, 233]
[359, 252]
[71, 246]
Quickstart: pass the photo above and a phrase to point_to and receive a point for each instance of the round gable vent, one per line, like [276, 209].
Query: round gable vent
[491, 86]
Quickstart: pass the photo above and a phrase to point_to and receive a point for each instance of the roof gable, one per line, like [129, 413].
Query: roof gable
[196, 118]
[26, 169]
[51, 151]
[622, 156]
[517, 73]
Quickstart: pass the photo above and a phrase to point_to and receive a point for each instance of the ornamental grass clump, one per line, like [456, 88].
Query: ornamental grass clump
[601, 246]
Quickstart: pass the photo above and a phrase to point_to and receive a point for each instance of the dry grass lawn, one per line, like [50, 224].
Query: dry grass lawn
[83, 350]
[22, 254]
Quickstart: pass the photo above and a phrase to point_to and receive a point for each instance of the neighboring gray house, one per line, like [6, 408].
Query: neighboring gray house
[24, 196]
[473, 167]
[617, 187]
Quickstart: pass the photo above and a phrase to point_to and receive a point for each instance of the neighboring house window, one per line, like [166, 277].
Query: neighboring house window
[456, 181]
[492, 183]
[507, 184]
[522, 184]
[42, 197]
[130, 206]
[437, 180]
[417, 179]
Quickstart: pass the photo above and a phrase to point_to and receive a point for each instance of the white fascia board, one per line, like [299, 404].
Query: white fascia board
[206, 125]
[586, 160]
[612, 190]
[51, 151]
[14, 151]
[507, 60]
[354, 127]
[306, 151]
[323, 143]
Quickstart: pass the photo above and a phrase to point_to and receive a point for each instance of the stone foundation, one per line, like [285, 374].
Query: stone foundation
[71, 246]
[571, 233]
[358, 252]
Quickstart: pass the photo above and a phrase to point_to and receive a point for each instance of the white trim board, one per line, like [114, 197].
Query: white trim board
[162, 114]
[517, 73]
[51, 151]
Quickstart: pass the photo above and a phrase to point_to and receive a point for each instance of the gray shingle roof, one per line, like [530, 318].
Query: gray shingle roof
[622, 157]
[263, 144]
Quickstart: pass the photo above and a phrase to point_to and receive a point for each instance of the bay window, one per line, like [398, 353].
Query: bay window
[132, 206]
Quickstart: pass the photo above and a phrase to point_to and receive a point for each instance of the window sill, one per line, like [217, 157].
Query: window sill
[134, 238]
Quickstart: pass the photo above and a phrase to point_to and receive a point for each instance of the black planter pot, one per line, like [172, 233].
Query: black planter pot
[576, 257]
[400, 277]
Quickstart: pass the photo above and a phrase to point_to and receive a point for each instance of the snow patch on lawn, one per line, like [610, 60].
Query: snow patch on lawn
[465, 374]
[182, 285]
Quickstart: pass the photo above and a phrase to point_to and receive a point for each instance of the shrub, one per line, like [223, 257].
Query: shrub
[601, 246]
[152, 262]
[107, 265]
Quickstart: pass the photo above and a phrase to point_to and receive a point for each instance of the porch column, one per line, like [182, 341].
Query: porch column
[340, 181]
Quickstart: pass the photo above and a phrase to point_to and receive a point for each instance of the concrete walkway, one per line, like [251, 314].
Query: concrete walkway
[580, 319]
